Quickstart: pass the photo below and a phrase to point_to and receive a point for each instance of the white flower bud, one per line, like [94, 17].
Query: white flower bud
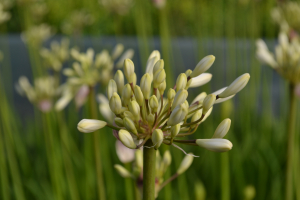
[158, 65]
[181, 82]
[111, 88]
[146, 85]
[200, 80]
[208, 102]
[133, 79]
[235, 86]
[175, 130]
[220, 100]
[127, 54]
[123, 171]
[90, 125]
[63, 101]
[171, 94]
[139, 158]
[177, 115]
[139, 95]
[115, 104]
[124, 154]
[119, 122]
[134, 108]
[117, 51]
[200, 98]
[126, 94]
[179, 98]
[150, 118]
[126, 139]
[119, 78]
[188, 72]
[167, 158]
[129, 125]
[128, 69]
[222, 129]
[196, 117]
[159, 77]
[153, 103]
[157, 138]
[217, 145]
[185, 164]
[162, 87]
[203, 66]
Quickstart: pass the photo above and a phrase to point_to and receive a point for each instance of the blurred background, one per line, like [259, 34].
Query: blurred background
[184, 32]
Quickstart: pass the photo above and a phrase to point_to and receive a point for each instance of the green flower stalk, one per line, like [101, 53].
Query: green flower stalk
[286, 62]
[172, 119]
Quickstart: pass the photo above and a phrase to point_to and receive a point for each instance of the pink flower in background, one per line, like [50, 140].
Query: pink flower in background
[81, 95]
[45, 105]
[159, 3]
[125, 154]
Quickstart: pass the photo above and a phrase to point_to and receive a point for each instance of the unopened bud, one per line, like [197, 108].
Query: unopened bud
[139, 95]
[153, 102]
[117, 51]
[200, 80]
[171, 94]
[129, 125]
[115, 103]
[157, 138]
[200, 98]
[203, 66]
[111, 88]
[162, 87]
[175, 130]
[90, 125]
[129, 115]
[119, 122]
[235, 86]
[217, 145]
[126, 94]
[188, 72]
[181, 82]
[119, 78]
[158, 65]
[134, 108]
[122, 171]
[159, 77]
[128, 69]
[208, 102]
[139, 158]
[177, 115]
[167, 158]
[185, 164]
[222, 129]
[150, 118]
[146, 85]
[126, 139]
[179, 98]
[196, 117]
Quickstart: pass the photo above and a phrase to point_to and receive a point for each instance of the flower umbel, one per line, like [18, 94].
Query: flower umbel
[142, 113]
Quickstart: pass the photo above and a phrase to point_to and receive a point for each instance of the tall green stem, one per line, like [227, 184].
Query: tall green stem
[225, 180]
[100, 181]
[290, 145]
[149, 172]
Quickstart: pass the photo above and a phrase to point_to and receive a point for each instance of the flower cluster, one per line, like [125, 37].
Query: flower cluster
[76, 22]
[120, 7]
[56, 55]
[4, 15]
[141, 116]
[88, 70]
[36, 35]
[162, 163]
[42, 93]
[287, 57]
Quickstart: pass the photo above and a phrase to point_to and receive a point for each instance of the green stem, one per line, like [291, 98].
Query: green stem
[149, 172]
[128, 184]
[100, 181]
[225, 179]
[290, 144]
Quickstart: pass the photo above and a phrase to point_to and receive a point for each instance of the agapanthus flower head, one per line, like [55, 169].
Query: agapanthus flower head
[142, 113]
[42, 93]
[36, 35]
[57, 55]
[88, 70]
[76, 22]
[286, 60]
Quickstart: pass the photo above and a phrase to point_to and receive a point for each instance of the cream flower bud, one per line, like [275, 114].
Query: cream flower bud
[179, 98]
[133, 79]
[111, 88]
[158, 65]
[159, 77]
[153, 103]
[126, 94]
[217, 145]
[181, 82]
[200, 98]
[203, 66]
[126, 139]
[63, 101]
[150, 118]
[222, 129]
[139, 158]
[146, 85]
[128, 69]
[200, 80]
[196, 117]
[162, 87]
[220, 100]
[157, 138]
[177, 115]
[90, 125]
[124, 154]
[171, 94]
[117, 51]
[236, 86]
[115, 103]
[69, 72]
[175, 130]
[119, 122]
[122, 171]
[185, 164]
[167, 158]
[188, 72]
[129, 125]
[139, 95]
[129, 115]
[208, 102]
[119, 79]
[134, 108]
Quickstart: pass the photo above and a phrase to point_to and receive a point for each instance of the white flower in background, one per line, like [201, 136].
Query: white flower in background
[124, 154]
[4, 15]
[159, 3]
[36, 35]
[120, 7]
[76, 22]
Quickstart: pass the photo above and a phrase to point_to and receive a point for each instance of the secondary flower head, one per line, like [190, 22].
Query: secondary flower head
[286, 60]
[144, 114]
